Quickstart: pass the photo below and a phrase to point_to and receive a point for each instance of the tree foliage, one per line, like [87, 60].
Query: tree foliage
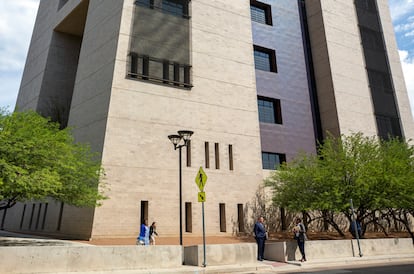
[378, 175]
[38, 160]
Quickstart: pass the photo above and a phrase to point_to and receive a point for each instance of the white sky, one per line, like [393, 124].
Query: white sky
[18, 16]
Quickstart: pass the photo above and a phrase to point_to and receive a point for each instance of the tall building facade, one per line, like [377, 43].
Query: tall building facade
[256, 81]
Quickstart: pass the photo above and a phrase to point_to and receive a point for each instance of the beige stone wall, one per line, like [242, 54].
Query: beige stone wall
[140, 161]
[342, 83]
[403, 103]
[47, 19]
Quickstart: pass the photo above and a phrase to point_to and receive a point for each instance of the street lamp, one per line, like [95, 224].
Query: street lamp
[180, 140]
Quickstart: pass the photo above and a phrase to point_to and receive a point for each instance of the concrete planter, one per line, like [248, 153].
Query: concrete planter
[288, 251]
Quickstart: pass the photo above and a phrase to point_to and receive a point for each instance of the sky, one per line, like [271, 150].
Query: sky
[18, 16]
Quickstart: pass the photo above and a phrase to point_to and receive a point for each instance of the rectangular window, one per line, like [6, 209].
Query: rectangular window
[264, 59]
[176, 74]
[31, 216]
[22, 219]
[240, 217]
[144, 211]
[145, 3]
[173, 7]
[145, 67]
[188, 218]
[188, 153]
[217, 155]
[207, 154]
[368, 5]
[231, 157]
[371, 39]
[158, 70]
[222, 217]
[260, 12]
[269, 110]
[134, 65]
[62, 205]
[380, 81]
[166, 71]
[272, 160]
[39, 210]
[44, 215]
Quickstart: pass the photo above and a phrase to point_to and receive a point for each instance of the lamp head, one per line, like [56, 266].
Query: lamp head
[185, 134]
[175, 139]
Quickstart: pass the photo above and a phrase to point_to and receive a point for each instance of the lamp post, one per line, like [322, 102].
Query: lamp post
[179, 141]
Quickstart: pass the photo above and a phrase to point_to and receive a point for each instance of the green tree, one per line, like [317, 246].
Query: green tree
[398, 174]
[377, 175]
[38, 160]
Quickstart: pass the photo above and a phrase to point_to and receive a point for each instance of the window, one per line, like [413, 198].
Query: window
[44, 215]
[188, 218]
[173, 7]
[269, 110]
[144, 211]
[371, 39]
[39, 210]
[217, 155]
[60, 216]
[368, 5]
[388, 126]
[380, 81]
[31, 216]
[231, 157]
[156, 70]
[188, 150]
[260, 12]
[264, 59]
[22, 219]
[222, 217]
[240, 217]
[207, 154]
[272, 160]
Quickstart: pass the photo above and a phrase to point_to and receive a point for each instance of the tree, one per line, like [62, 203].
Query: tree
[38, 160]
[377, 175]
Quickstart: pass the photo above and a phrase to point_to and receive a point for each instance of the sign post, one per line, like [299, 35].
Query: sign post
[200, 181]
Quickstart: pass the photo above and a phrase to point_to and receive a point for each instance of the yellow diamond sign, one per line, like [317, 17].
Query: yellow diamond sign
[201, 179]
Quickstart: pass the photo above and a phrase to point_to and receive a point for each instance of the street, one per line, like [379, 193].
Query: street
[400, 268]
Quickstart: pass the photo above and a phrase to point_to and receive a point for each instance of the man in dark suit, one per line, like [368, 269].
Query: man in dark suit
[260, 235]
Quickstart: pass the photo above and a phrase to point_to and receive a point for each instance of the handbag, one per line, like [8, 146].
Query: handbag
[266, 236]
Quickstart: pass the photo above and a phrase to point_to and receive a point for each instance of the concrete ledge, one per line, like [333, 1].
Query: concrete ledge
[288, 251]
[221, 254]
[163, 258]
[52, 259]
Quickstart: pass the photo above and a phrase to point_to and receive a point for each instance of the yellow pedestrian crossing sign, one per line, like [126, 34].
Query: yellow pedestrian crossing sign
[201, 197]
[201, 179]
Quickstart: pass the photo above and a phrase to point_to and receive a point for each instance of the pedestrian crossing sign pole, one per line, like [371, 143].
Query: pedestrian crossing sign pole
[200, 180]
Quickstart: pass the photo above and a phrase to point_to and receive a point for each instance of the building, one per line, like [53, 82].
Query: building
[257, 82]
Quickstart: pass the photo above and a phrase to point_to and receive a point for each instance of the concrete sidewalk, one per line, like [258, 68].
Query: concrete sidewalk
[269, 266]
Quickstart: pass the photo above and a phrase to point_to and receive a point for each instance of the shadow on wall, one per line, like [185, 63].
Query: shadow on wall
[276, 219]
[291, 247]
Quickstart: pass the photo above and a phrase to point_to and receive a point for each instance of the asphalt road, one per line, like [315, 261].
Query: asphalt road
[377, 269]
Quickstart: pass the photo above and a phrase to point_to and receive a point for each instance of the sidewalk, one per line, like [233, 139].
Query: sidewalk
[269, 266]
